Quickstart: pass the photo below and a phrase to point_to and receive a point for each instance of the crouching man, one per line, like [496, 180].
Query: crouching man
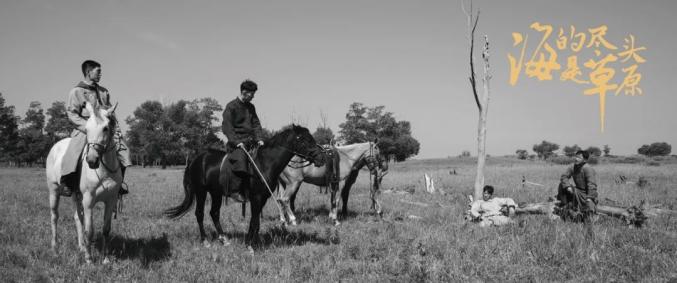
[578, 200]
[490, 210]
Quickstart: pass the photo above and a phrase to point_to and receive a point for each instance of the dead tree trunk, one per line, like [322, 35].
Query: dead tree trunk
[483, 101]
[637, 216]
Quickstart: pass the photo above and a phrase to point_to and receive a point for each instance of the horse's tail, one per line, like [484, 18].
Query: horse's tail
[188, 199]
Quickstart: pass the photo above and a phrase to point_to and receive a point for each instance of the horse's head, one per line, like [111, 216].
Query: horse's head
[376, 161]
[304, 145]
[99, 129]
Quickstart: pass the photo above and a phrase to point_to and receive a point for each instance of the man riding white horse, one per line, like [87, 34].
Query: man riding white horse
[87, 91]
[99, 180]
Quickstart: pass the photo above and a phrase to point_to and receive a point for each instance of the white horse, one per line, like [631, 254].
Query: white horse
[97, 183]
[352, 158]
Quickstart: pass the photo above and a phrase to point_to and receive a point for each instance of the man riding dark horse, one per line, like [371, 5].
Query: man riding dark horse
[243, 129]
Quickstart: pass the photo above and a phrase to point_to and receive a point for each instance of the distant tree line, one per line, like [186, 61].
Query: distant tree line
[26, 141]
[546, 149]
[171, 134]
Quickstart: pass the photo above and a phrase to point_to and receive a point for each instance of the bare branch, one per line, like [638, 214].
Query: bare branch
[323, 116]
[472, 63]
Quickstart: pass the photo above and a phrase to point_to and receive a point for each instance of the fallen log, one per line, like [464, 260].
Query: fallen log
[635, 215]
[547, 208]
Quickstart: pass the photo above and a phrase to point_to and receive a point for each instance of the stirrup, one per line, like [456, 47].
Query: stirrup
[124, 189]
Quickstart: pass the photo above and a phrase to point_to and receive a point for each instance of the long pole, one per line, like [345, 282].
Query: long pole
[262, 177]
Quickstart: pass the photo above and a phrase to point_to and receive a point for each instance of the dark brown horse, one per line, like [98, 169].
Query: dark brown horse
[202, 176]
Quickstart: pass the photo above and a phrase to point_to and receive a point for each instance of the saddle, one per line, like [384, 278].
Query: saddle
[234, 164]
[333, 164]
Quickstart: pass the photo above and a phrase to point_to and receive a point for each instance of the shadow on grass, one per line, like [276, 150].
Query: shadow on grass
[280, 236]
[146, 250]
[311, 214]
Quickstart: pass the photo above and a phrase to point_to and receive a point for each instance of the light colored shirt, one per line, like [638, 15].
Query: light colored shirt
[83, 92]
[491, 207]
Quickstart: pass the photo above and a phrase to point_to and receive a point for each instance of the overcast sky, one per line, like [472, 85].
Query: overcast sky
[320, 56]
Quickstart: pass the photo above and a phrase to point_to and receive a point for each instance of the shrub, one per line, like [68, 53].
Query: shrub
[642, 182]
[522, 154]
[629, 159]
[561, 160]
[655, 149]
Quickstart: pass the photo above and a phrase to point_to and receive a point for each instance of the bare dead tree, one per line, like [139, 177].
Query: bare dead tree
[323, 117]
[481, 101]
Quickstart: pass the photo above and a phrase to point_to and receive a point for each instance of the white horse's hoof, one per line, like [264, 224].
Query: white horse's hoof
[206, 244]
[337, 223]
[250, 250]
[106, 260]
[224, 240]
[293, 223]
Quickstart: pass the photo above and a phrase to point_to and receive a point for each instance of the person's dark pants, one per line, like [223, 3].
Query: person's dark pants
[239, 183]
[577, 205]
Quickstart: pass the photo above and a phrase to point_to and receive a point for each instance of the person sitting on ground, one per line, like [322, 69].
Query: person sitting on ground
[489, 210]
[578, 201]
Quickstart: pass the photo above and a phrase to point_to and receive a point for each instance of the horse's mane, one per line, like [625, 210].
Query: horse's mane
[281, 136]
[112, 120]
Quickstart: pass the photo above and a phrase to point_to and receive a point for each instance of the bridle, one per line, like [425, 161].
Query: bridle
[373, 159]
[102, 149]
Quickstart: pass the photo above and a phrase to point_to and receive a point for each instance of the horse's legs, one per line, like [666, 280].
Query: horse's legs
[89, 231]
[290, 202]
[284, 202]
[107, 216]
[345, 193]
[201, 196]
[215, 213]
[54, 207]
[79, 217]
[334, 203]
[256, 204]
[287, 196]
[374, 193]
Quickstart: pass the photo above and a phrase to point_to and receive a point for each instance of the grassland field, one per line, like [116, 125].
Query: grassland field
[421, 237]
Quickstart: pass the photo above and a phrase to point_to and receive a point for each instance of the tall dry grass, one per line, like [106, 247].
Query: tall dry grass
[421, 236]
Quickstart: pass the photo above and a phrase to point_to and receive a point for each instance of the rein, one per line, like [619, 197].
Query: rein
[306, 160]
